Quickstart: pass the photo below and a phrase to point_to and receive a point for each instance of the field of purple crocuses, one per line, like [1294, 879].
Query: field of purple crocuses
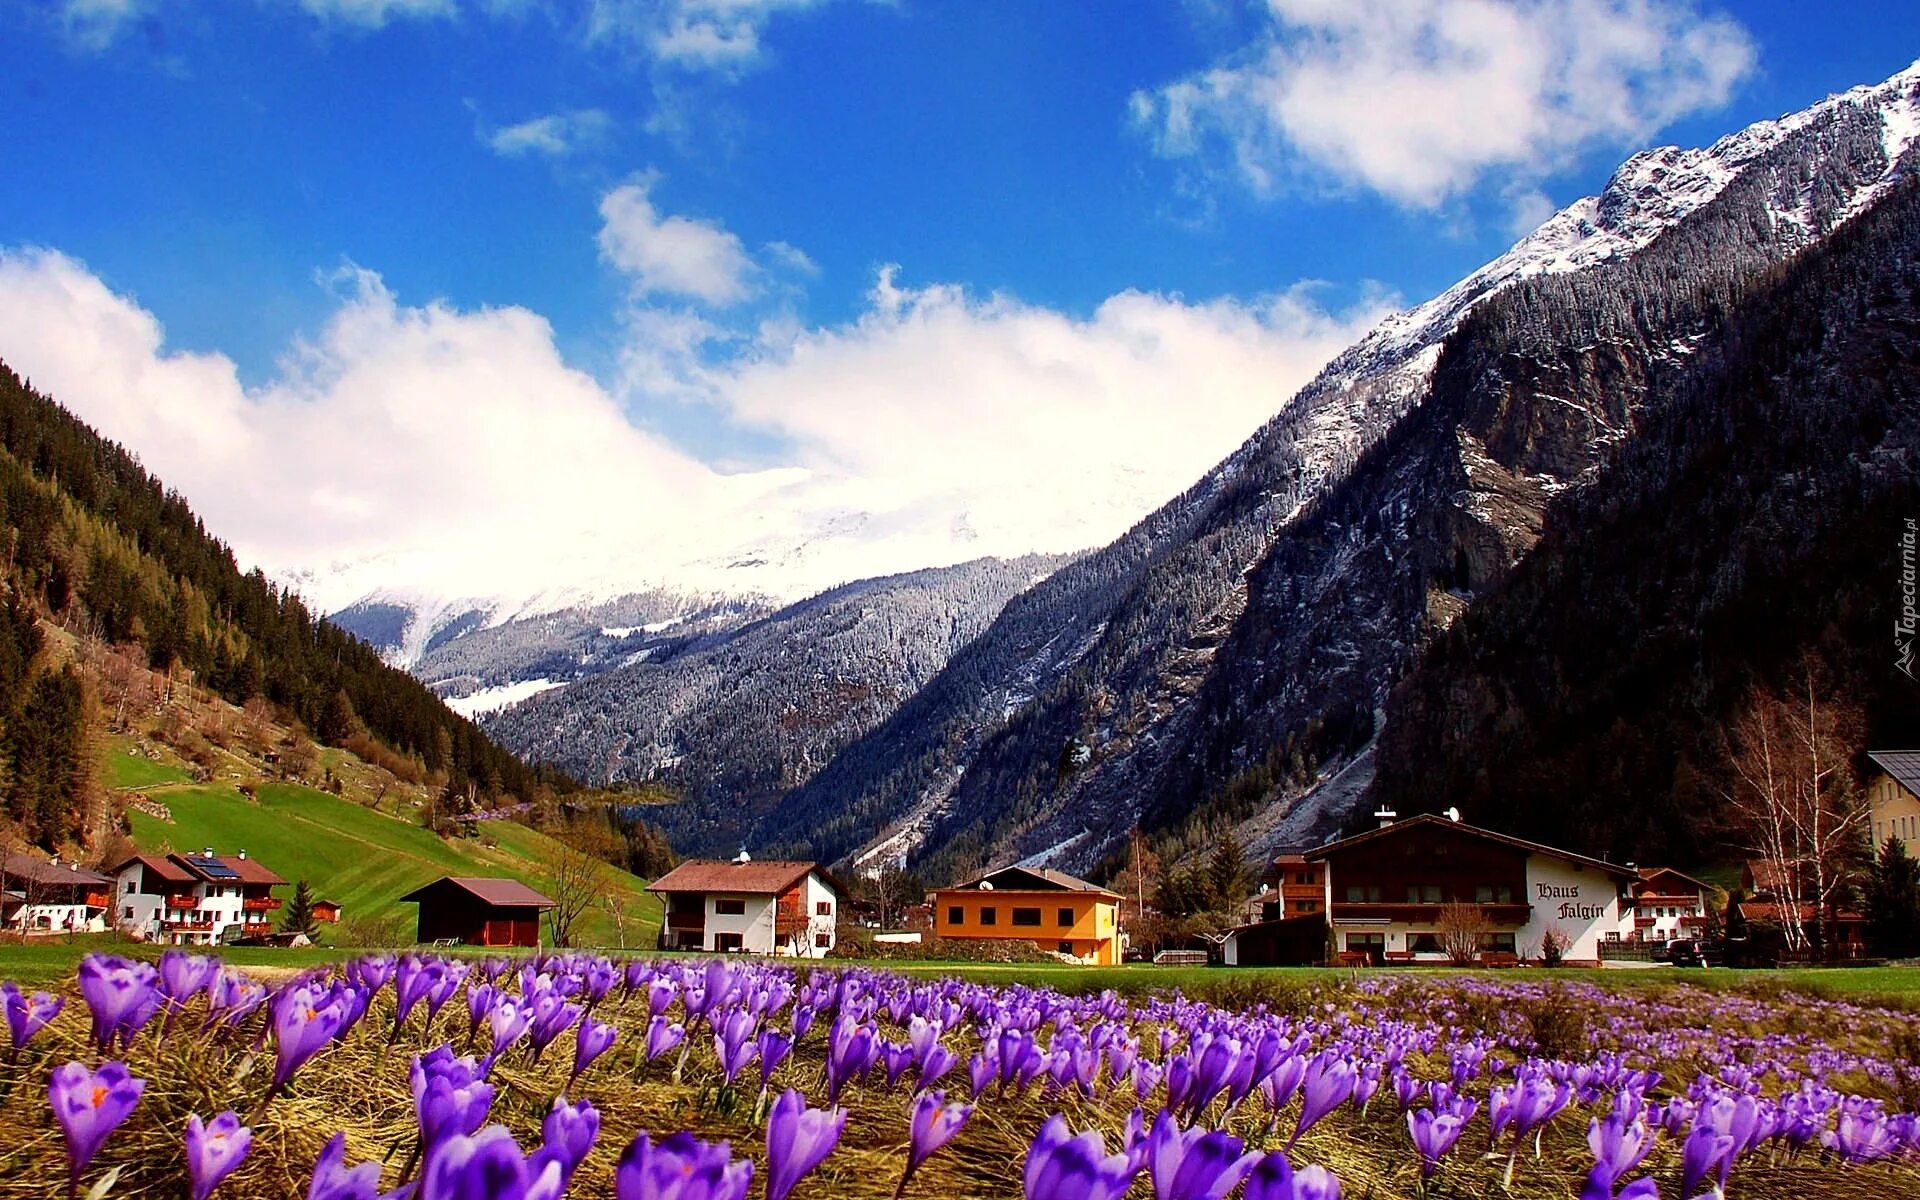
[441, 1078]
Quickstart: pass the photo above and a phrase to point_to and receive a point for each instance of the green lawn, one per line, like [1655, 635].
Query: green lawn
[364, 859]
[126, 770]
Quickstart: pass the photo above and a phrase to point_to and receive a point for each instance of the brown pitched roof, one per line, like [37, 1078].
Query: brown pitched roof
[35, 870]
[251, 870]
[501, 893]
[171, 872]
[1425, 820]
[1651, 873]
[1032, 879]
[768, 878]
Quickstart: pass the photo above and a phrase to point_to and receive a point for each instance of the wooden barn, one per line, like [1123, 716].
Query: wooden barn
[479, 912]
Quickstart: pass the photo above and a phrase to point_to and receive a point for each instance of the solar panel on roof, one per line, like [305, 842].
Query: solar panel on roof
[212, 868]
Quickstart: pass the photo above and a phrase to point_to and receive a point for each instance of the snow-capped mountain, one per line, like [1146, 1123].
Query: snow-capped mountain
[1230, 653]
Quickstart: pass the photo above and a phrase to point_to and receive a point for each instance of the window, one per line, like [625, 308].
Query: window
[1026, 916]
[823, 940]
[727, 943]
[1303, 877]
[1493, 893]
[1066, 917]
[730, 908]
[1424, 943]
[956, 915]
[1305, 906]
[1498, 942]
[1373, 945]
[1363, 893]
[1066, 947]
[823, 908]
[989, 916]
[1423, 893]
[127, 912]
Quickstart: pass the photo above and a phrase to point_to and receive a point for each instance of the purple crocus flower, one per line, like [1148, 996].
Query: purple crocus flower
[1433, 1136]
[121, 995]
[489, 1166]
[681, 1167]
[450, 1095]
[28, 1015]
[1328, 1081]
[1061, 1166]
[798, 1139]
[1194, 1164]
[552, 1016]
[592, 1040]
[774, 1047]
[184, 976]
[1273, 1178]
[334, 1180]
[662, 1036]
[933, 1125]
[567, 1135]
[215, 1150]
[1705, 1150]
[90, 1105]
[304, 1022]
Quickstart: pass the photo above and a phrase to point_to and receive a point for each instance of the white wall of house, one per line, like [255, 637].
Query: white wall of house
[144, 914]
[1667, 913]
[57, 918]
[1582, 904]
[754, 923]
[822, 907]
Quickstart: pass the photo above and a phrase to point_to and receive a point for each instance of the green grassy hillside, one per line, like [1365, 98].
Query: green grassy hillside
[346, 851]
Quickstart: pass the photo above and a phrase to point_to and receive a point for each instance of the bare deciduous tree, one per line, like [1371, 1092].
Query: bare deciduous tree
[576, 878]
[1795, 798]
[1460, 926]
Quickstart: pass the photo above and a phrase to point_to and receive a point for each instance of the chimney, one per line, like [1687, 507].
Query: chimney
[1385, 816]
[243, 856]
[207, 853]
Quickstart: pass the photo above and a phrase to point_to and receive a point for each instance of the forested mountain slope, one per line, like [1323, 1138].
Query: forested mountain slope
[103, 548]
[1752, 527]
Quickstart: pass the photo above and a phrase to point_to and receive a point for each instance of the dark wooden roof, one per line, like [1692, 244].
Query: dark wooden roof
[1428, 821]
[753, 878]
[1034, 879]
[166, 869]
[1903, 765]
[498, 893]
[40, 871]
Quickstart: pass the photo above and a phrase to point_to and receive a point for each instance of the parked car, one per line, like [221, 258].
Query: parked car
[1694, 952]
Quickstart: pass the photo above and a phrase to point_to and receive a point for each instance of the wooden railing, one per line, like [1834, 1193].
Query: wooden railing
[183, 901]
[259, 904]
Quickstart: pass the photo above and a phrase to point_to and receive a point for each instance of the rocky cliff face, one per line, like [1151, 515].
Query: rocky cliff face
[1230, 654]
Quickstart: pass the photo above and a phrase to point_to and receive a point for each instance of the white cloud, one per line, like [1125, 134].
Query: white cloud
[93, 25]
[682, 256]
[555, 135]
[373, 14]
[721, 36]
[1422, 99]
[455, 452]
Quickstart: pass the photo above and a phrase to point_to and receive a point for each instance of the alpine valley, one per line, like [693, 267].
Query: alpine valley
[1510, 528]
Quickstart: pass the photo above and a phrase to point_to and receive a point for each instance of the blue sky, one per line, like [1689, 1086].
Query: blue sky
[694, 196]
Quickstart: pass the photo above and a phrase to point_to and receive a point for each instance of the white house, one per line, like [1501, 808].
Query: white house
[1668, 905]
[47, 896]
[1389, 890]
[786, 908]
[194, 899]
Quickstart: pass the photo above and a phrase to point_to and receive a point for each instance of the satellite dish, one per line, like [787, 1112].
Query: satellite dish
[986, 885]
[742, 858]
[1453, 814]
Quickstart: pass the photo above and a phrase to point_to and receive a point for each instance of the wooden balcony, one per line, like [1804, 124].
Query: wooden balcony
[187, 901]
[1302, 891]
[259, 904]
[187, 926]
[98, 899]
[695, 920]
[1495, 915]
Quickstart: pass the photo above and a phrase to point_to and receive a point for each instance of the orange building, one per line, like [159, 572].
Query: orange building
[1071, 917]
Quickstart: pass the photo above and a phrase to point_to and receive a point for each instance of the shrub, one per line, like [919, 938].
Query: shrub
[390, 932]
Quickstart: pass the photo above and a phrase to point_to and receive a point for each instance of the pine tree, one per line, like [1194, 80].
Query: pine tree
[299, 916]
[1892, 902]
